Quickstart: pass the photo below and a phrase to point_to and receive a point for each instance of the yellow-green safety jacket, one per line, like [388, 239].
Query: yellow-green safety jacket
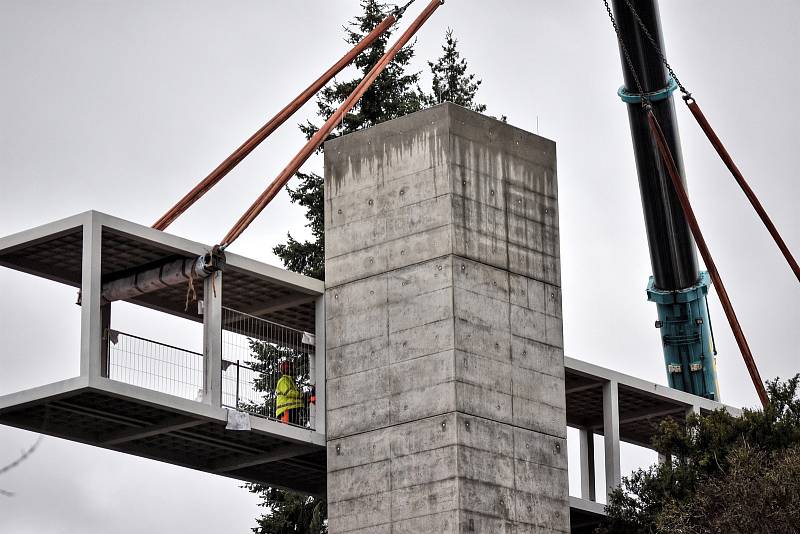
[289, 397]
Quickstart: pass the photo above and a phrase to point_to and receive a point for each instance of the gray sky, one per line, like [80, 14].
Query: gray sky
[122, 106]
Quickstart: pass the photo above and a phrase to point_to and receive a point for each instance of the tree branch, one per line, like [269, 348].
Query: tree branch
[24, 456]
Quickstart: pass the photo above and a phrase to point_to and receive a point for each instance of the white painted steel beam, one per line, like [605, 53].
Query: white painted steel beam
[105, 325]
[170, 425]
[281, 304]
[649, 388]
[587, 464]
[91, 288]
[586, 505]
[642, 415]
[319, 365]
[284, 452]
[611, 435]
[45, 232]
[212, 339]
[176, 244]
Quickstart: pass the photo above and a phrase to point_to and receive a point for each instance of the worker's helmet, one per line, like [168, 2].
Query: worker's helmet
[284, 367]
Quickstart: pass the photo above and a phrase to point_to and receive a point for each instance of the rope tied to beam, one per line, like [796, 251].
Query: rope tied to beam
[191, 293]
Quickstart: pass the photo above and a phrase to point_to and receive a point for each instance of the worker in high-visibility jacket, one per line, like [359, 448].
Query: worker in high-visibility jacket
[288, 397]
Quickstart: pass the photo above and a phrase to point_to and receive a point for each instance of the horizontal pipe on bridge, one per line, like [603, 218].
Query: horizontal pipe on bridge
[167, 275]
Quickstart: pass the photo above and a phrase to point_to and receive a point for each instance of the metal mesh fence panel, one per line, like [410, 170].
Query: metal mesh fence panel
[145, 363]
[266, 369]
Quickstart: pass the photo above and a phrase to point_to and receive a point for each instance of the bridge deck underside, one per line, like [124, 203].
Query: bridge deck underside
[58, 257]
[584, 516]
[132, 426]
[640, 412]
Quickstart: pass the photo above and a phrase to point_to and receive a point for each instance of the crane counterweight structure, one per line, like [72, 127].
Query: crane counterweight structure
[677, 286]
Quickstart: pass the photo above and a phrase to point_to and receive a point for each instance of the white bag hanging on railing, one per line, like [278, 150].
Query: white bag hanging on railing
[237, 420]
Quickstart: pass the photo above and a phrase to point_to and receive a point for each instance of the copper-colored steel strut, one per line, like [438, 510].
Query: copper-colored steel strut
[233, 160]
[739, 177]
[319, 137]
[683, 198]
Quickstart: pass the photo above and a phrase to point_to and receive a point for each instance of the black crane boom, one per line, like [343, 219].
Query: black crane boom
[677, 286]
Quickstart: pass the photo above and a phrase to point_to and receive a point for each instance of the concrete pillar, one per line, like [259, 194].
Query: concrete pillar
[212, 339]
[611, 435]
[445, 399]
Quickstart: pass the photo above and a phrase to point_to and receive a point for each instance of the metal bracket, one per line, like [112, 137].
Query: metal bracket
[686, 337]
[655, 96]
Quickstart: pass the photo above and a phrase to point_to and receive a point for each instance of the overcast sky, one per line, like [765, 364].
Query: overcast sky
[122, 106]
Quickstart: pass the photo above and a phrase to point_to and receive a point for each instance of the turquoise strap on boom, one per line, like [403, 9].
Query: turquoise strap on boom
[655, 96]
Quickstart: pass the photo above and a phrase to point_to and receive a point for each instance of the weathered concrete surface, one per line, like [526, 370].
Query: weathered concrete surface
[445, 390]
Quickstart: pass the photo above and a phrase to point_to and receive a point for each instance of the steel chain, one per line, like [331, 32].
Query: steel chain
[657, 48]
[628, 60]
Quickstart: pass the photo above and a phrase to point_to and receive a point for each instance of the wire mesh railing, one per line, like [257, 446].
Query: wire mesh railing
[149, 364]
[267, 369]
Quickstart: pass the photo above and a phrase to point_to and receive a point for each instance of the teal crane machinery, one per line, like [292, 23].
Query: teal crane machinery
[677, 287]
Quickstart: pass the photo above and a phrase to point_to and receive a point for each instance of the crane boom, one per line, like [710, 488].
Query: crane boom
[677, 286]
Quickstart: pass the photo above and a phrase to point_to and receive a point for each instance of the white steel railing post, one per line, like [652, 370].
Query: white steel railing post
[212, 339]
[238, 367]
[611, 435]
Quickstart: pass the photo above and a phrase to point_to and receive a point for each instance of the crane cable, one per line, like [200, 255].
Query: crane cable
[724, 155]
[262, 133]
[319, 137]
[683, 198]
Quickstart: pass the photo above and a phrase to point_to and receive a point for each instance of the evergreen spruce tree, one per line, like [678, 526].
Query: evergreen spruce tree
[451, 82]
[307, 257]
[395, 93]
[288, 513]
[726, 474]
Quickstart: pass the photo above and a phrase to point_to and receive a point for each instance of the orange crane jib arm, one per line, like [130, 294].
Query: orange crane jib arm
[319, 137]
[233, 160]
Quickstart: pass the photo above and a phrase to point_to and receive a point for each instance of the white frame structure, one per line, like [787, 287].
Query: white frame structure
[610, 382]
[612, 390]
[294, 441]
